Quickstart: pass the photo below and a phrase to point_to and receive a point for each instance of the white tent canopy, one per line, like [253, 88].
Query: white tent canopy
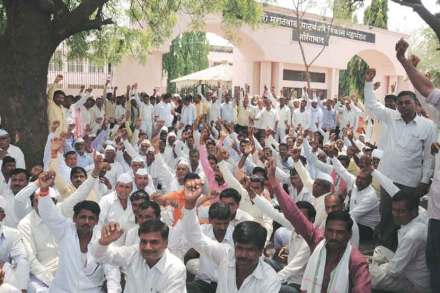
[214, 76]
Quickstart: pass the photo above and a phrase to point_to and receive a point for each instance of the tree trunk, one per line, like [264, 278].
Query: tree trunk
[25, 50]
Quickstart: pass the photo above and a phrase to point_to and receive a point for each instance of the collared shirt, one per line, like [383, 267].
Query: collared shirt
[434, 192]
[407, 159]
[188, 115]
[16, 153]
[13, 255]
[409, 261]
[284, 116]
[228, 112]
[54, 112]
[267, 119]
[302, 118]
[244, 115]
[364, 204]
[262, 280]
[359, 277]
[73, 275]
[84, 160]
[113, 212]
[167, 275]
[434, 98]
[163, 111]
[328, 118]
[208, 269]
[214, 112]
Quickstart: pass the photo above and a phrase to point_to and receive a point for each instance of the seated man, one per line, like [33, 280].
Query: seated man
[406, 269]
[78, 270]
[219, 230]
[13, 255]
[240, 269]
[149, 266]
[345, 269]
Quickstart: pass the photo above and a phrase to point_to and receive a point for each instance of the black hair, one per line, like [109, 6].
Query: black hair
[86, 205]
[191, 176]
[259, 170]
[340, 216]
[194, 151]
[311, 211]
[154, 225]
[219, 211]
[8, 159]
[59, 92]
[411, 94]
[391, 97]
[326, 184]
[139, 194]
[20, 171]
[77, 169]
[293, 172]
[231, 193]
[151, 204]
[69, 153]
[212, 158]
[412, 200]
[283, 144]
[250, 232]
[303, 160]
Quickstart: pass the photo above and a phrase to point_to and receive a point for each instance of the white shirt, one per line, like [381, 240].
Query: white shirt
[113, 212]
[167, 275]
[262, 280]
[11, 219]
[284, 116]
[302, 118]
[409, 260]
[299, 251]
[364, 204]
[214, 112]
[228, 112]
[72, 274]
[188, 115]
[208, 269]
[14, 257]
[348, 117]
[16, 153]
[163, 112]
[267, 119]
[407, 159]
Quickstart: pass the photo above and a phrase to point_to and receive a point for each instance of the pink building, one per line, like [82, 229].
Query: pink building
[270, 54]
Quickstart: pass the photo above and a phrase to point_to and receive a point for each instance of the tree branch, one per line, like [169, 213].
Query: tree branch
[79, 19]
[420, 9]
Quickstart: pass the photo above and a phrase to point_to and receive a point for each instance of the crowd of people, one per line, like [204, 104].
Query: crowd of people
[209, 193]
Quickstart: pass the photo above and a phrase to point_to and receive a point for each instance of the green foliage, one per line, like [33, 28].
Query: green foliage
[188, 53]
[141, 25]
[377, 14]
[344, 9]
[351, 81]
[426, 47]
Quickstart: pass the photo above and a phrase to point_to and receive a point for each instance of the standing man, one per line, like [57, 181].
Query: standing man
[55, 99]
[284, 118]
[407, 159]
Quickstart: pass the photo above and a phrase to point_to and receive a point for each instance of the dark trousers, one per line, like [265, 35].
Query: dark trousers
[365, 233]
[290, 288]
[199, 286]
[386, 230]
[433, 253]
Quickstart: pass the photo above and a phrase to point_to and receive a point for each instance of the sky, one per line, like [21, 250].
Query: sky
[400, 19]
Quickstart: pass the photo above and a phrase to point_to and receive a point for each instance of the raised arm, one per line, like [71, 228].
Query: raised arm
[304, 175]
[371, 103]
[386, 183]
[18, 257]
[266, 207]
[216, 251]
[302, 225]
[349, 178]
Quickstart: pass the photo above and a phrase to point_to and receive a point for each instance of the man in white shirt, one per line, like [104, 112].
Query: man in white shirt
[146, 114]
[301, 116]
[78, 270]
[284, 118]
[19, 180]
[218, 229]
[13, 254]
[407, 159]
[7, 149]
[406, 269]
[116, 206]
[241, 269]
[214, 112]
[228, 110]
[188, 115]
[267, 117]
[364, 202]
[164, 111]
[149, 266]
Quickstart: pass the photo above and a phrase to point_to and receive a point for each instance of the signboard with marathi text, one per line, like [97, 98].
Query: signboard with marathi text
[317, 32]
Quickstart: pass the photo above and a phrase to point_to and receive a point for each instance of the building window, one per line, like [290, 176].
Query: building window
[75, 65]
[56, 62]
[295, 75]
[94, 68]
